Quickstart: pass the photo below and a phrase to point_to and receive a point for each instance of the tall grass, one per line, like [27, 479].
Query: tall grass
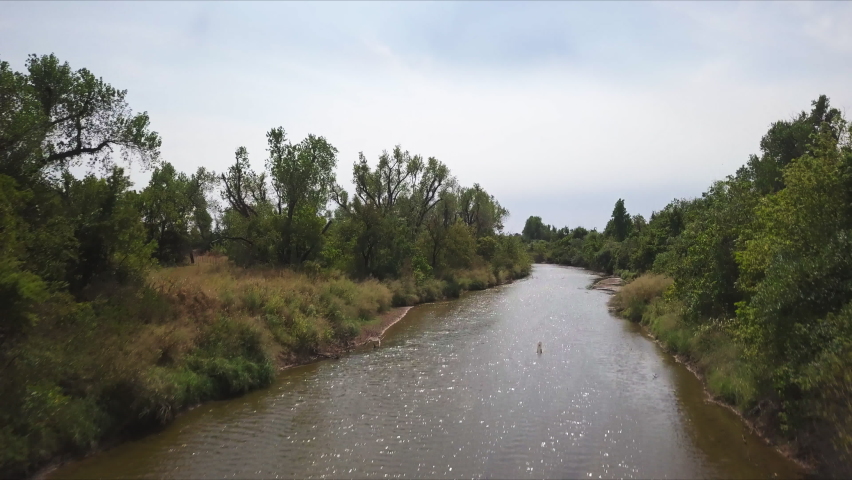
[452, 284]
[635, 297]
[134, 356]
[709, 348]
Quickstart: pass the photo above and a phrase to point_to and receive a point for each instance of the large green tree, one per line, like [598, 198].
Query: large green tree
[280, 215]
[302, 177]
[620, 225]
[481, 211]
[535, 229]
[788, 140]
[55, 117]
[174, 209]
[390, 204]
[51, 119]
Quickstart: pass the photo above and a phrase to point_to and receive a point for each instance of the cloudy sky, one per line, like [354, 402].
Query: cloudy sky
[557, 108]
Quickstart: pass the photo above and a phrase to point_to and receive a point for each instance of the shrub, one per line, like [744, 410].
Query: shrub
[633, 298]
[452, 289]
[252, 300]
[231, 353]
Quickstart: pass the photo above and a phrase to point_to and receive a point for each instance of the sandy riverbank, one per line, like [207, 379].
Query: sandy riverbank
[608, 284]
[387, 320]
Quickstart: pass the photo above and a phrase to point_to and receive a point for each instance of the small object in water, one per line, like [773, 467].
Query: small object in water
[538, 350]
[377, 341]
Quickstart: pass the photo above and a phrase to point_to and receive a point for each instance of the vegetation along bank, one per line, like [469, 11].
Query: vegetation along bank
[122, 306]
[751, 283]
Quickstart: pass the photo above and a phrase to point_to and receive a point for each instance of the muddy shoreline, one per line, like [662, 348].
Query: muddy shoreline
[607, 283]
[387, 320]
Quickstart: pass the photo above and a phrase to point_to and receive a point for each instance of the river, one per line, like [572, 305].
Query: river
[458, 390]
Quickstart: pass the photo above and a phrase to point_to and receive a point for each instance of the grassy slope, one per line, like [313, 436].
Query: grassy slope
[728, 374]
[132, 359]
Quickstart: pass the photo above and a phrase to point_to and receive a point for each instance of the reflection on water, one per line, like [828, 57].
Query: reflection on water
[457, 390]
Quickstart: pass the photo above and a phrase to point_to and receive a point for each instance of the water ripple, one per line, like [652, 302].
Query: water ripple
[457, 390]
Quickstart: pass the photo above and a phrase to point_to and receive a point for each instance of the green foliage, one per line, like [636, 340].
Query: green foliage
[535, 229]
[620, 225]
[96, 339]
[635, 297]
[407, 218]
[110, 238]
[760, 280]
[231, 354]
[54, 117]
[788, 140]
[703, 256]
[21, 291]
[60, 230]
[481, 211]
[175, 212]
[302, 178]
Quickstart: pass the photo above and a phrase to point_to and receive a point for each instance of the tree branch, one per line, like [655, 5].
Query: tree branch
[80, 150]
[238, 238]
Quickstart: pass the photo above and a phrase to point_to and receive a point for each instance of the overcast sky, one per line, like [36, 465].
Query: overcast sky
[557, 108]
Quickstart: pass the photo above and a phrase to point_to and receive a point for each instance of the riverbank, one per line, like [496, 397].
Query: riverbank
[198, 333]
[446, 379]
[368, 334]
[607, 283]
[717, 361]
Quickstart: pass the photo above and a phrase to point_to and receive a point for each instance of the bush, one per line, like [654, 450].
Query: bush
[232, 355]
[134, 356]
[633, 298]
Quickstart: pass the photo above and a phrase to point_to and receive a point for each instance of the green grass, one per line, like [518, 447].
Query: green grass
[711, 349]
[814, 417]
[135, 356]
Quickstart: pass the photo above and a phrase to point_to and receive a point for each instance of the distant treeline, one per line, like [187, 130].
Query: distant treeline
[95, 341]
[754, 280]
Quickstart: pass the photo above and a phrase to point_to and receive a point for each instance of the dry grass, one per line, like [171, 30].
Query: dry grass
[296, 313]
[136, 355]
[633, 299]
[133, 356]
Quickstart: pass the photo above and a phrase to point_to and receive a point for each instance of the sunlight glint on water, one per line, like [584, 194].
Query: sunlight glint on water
[457, 390]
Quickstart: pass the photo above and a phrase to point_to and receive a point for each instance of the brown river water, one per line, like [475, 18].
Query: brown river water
[458, 390]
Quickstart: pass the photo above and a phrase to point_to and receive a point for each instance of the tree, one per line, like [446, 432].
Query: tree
[390, 206]
[21, 291]
[111, 244]
[481, 211]
[797, 258]
[429, 183]
[655, 238]
[787, 140]
[55, 117]
[579, 233]
[243, 188]
[437, 228]
[302, 178]
[702, 258]
[620, 225]
[174, 211]
[52, 118]
[535, 229]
